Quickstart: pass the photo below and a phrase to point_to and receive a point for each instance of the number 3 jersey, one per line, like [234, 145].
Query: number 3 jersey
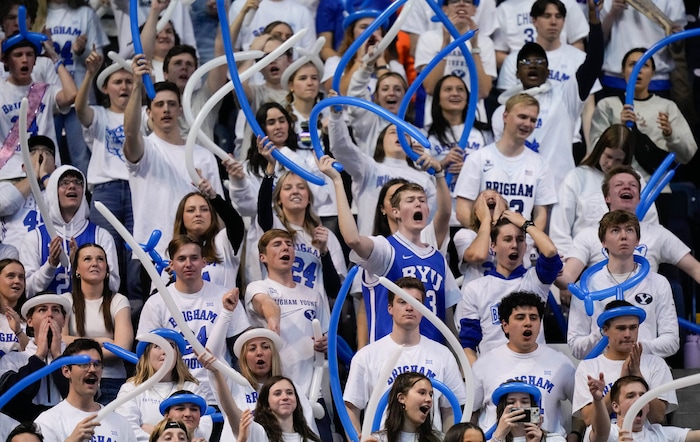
[200, 311]
[396, 257]
[523, 180]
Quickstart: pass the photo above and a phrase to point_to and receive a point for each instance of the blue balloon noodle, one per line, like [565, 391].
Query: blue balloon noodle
[150, 248]
[442, 388]
[243, 100]
[121, 352]
[629, 93]
[598, 349]
[44, 371]
[558, 315]
[473, 80]
[345, 59]
[345, 352]
[652, 189]
[336, 389]
[138, 47]
[587, 297]
[35, 38]
[372, 107]
[688, 325]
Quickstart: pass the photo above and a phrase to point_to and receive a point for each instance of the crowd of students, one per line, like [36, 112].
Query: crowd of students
[480, 228]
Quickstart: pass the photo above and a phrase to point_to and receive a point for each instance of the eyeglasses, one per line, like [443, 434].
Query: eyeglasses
[533, 61]
[67, 182]
[96, 364]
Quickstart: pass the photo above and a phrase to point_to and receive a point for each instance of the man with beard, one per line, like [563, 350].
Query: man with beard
[523, 359]
[73, 419]
[45, 315]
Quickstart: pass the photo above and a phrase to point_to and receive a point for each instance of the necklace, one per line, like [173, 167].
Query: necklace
[628, 275]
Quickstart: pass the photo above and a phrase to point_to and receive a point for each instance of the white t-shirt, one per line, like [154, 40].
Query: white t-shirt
[515, 28]
[14, 226]
[225, 272]
[144, 408]
[545, 368]
[581, 204]
[657, 244]
[66, 24]
[158, 182]
[650, 433]
[95, 328]
[523, 180]
[462, 240]
[658, 333]
[631, 29]
[105, 138]
[429, 45]
[200, 310]
[481, 298]
[8, 339]
[59, 422]
[654, 371]
[298, 306]
[11, 97]
[428, 357]
[288, 11]
[420, 18]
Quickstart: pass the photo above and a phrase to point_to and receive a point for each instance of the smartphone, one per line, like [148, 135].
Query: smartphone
[531, 415]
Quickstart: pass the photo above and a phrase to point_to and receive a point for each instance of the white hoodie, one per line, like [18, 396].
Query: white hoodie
[39, 272]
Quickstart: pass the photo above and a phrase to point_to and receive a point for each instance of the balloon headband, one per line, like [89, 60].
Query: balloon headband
[625, 310]
[516, 387]
[359, 15]
[187, 398]
[256, 333]
[119, 64]
[34, 38]
[307, 56]
[46, 299]
[167, 333]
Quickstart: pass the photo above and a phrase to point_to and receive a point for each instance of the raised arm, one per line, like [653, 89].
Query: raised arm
[66, 97]
[362, 245]
[82, 107]
[133, 140]
[226, 402]
[600, 425]
[149, 31]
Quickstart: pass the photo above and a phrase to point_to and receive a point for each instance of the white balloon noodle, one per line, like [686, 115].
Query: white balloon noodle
[167, 298]
[225, 89]
[656, 392]
[378, 391]
[392, 32]
[31, 173]
[194, 80]
[451, 340]
[119, 63]
[167, 366]
[317, 378]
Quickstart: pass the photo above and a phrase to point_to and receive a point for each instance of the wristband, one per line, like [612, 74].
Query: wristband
[58, 64]
[42, 179]
[440, 174]
[272, 175]
[384, 66]
[476, 51]
[526, 224]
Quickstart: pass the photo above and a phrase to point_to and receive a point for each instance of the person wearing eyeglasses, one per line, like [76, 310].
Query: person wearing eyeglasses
[68, 211]
[45, 315]
[73, 419]
[560, 106]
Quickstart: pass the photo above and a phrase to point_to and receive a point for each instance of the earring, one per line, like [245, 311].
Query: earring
[403, 406]
[77, 275]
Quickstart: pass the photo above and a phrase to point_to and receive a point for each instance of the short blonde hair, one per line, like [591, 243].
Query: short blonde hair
[527, 100]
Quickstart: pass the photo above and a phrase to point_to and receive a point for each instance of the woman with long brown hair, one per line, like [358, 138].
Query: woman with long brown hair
[99, 314]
